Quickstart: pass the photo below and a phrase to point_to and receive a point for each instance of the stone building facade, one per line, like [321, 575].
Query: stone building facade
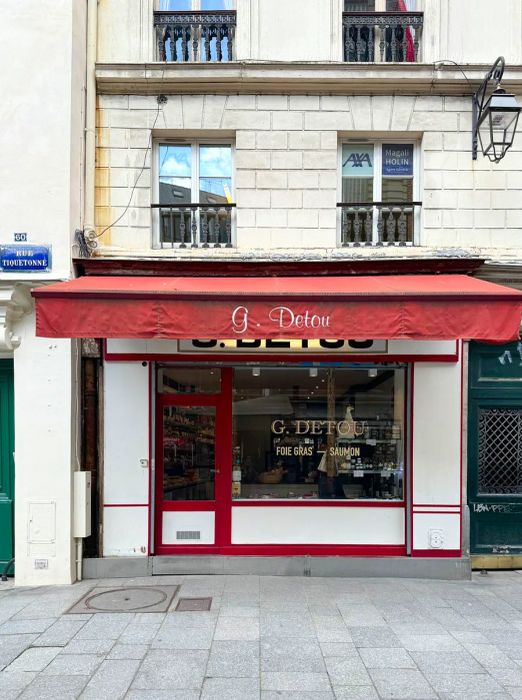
[293, 92]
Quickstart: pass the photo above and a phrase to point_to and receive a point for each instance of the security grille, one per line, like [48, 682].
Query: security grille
[500, 450]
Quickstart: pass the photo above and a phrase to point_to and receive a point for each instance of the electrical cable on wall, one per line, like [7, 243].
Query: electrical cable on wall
[448, 61]
[85, 245]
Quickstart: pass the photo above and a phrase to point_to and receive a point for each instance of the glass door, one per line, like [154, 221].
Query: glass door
[191, 465]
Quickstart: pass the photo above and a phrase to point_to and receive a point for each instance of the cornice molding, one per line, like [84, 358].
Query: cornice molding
[296, 78]
[508, 273]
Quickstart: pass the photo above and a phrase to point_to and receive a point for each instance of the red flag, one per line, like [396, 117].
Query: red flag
[410, 52]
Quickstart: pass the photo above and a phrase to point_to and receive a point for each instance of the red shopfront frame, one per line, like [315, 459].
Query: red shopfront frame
[220, 506]
[223, 504]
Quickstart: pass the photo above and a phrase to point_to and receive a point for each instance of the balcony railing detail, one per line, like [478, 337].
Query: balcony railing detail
[195, 225]
[395, 223]
[188, 37]
[388, 37]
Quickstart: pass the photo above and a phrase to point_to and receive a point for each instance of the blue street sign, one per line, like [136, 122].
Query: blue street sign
[397, 159]
[25, 258]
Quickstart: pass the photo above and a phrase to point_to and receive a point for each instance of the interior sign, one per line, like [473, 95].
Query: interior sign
[358, 160]
[323, 346]
[25, 258]
[397, 159]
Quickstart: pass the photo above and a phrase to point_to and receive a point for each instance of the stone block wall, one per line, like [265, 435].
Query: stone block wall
[287, 166]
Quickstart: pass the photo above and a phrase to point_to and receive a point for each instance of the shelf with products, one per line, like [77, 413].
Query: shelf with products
[193, 444]
[197, 490]
[383, 471]
[178, 427]
[173, 441]
[369, 441]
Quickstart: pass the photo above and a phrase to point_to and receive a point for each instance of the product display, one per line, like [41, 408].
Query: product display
[188, 453]
[332, 434]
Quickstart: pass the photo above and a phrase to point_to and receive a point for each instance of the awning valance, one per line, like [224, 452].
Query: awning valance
[417, 307]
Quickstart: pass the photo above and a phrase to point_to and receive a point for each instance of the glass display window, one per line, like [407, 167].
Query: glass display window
[318, 433]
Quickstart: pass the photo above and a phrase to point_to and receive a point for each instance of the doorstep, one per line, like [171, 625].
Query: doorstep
[451, 568]
[496, 561]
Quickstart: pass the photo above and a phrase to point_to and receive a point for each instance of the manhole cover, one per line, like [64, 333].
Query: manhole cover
[126, 599]
[197, 604]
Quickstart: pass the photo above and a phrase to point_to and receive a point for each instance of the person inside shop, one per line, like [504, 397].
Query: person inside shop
[329, 481]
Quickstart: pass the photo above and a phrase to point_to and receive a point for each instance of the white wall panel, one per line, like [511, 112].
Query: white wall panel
[422, 347]
[44, 387]
[448, 523]
[42, 201]
[274, 525]
[198, 521]
[126, 346]
[126, 432]
[125, 531]
[436, 433]
[464, 32]
[280, 31]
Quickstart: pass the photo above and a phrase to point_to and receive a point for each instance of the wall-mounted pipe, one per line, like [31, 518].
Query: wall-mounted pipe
[90, 115]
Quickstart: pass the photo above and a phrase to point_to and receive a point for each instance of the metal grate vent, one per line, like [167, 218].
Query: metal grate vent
[500, 450]
[188, 534]
[193, 604]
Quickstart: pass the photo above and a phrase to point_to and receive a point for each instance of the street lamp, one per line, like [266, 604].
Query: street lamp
[495, 120]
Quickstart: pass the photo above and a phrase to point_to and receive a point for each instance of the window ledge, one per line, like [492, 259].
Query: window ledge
[293, 78]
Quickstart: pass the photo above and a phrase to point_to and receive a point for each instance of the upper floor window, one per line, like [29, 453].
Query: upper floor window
[378, 193]
[381, 31]
[183, 36]
[380, 5]
[196, 5]
[195, 194]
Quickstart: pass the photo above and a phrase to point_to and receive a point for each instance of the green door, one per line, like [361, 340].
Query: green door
[6, 461]
[495, 448]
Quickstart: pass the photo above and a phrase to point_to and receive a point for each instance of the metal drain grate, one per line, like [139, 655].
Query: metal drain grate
[126, 599]
[193, 604]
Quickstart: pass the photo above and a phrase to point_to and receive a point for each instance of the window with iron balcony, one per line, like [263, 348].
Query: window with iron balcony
[379, 186]
[382, 31]
[194, 195]
[189, 31]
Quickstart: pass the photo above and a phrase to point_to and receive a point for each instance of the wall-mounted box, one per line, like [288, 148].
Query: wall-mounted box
[82, 504]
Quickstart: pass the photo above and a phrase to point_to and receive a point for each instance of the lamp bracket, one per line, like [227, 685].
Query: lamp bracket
[495, 73]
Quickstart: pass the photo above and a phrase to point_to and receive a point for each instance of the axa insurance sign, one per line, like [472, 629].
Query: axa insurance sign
[358, 160]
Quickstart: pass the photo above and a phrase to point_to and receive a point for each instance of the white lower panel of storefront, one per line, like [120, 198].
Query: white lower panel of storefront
[436, 531]
[184, 527]
[125, 531]
[328, 525]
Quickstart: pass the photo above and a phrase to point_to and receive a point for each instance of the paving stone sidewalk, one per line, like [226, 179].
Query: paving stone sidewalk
[270, 638]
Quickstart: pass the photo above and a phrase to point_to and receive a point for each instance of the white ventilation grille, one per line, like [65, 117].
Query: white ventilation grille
[188, 534]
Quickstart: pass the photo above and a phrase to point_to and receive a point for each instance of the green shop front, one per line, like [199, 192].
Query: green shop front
[6, 462]
[495, 454]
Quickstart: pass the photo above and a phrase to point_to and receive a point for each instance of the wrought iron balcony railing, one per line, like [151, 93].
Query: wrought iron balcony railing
[385, 37]
[195, 225]
[188, 37]
[378, 223]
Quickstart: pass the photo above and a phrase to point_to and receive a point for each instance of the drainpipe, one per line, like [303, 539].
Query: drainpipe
[90, 116]
[90, 165]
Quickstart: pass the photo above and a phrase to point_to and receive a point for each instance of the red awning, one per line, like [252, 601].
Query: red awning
[417, 307]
